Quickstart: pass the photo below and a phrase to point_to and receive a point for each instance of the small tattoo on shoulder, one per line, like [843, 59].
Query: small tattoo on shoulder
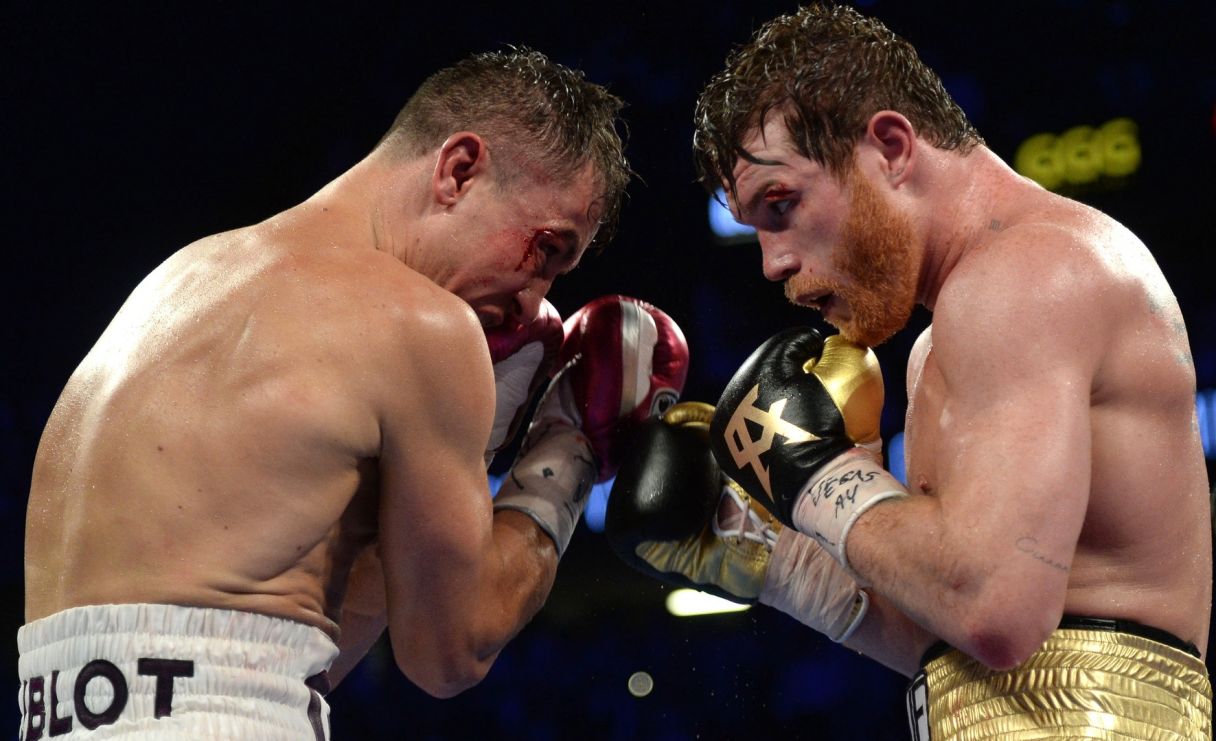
[994, 225]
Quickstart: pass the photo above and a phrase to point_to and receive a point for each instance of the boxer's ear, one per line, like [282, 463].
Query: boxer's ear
[462, 158]
[892, 138]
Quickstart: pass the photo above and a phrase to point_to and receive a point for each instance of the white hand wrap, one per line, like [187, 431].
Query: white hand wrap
[832, 501]
[805, 583]
[552, 477]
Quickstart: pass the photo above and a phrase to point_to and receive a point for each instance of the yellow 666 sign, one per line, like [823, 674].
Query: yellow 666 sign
[1080, 155]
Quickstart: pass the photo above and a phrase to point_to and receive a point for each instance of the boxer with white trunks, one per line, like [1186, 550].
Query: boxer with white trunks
[278, 446]
[153, 671]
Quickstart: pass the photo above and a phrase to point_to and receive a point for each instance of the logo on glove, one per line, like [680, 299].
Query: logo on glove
[664, 399]
[744, 450]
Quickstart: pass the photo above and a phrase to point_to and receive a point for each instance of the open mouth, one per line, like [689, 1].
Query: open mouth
[817, 300]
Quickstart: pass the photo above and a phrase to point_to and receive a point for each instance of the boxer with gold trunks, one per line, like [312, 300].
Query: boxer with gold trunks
[1128, 680]
[1053, 459]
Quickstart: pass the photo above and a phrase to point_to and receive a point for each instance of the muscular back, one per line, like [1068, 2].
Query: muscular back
[215, 448]
[1114, 437]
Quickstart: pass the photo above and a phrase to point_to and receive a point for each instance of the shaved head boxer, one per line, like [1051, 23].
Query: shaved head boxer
[278, 446]
[1047, 572]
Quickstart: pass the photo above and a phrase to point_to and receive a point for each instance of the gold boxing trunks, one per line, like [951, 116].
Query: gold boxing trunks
[1092, 679]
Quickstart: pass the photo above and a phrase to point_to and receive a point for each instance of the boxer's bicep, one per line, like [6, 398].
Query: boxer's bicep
[435, 517]
[1014, 460]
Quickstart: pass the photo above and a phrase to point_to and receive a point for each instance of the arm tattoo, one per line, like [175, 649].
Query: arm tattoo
[1030, 546]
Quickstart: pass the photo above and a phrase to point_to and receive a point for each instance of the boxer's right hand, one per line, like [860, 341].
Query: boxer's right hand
[674, 516]
[623, 360]
[816, 405]
[523, 356]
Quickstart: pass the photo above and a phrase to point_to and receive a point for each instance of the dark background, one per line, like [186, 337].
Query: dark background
[129, 131]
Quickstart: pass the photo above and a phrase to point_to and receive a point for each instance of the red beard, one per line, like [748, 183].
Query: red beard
[877, 264]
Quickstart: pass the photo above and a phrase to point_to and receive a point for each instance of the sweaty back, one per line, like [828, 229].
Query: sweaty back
[209, 449]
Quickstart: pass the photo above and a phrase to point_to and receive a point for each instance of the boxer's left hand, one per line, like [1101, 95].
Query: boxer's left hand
[674, 516]
[816, 405]
[627, 362]
[623, 360]
[665, 514]
[524, 356]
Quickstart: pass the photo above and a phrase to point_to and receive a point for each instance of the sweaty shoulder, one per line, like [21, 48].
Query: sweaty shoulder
[362, 324]
[1064, 278]
[399, 322]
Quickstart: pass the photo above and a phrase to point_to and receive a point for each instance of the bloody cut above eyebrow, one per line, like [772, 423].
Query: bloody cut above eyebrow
[565, 239]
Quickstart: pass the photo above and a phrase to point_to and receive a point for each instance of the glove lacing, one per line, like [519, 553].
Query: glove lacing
[745, 522]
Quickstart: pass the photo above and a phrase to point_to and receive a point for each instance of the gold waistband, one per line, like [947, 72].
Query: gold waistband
[1083, 684]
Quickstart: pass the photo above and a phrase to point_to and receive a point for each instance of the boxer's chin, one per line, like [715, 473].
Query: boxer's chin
[873, 320]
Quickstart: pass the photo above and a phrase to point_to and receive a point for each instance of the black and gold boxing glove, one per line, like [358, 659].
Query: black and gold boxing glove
[674, 516]
[798, 428]
[663, 512]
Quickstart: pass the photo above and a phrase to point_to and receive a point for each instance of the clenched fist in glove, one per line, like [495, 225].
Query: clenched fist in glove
[622, 360]
[627, 363]
[524, 356]
[674, 516]
[798, 428]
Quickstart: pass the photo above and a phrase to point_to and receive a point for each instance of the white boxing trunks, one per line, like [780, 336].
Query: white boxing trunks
[167, 672]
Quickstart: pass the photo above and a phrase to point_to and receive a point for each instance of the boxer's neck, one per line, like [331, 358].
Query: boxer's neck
[966, 199]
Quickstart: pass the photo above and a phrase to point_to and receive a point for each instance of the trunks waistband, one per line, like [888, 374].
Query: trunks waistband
[1092, 678]
[166, 671]
[1076, 622]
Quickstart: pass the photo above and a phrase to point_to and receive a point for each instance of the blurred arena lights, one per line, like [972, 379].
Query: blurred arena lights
[597, 503]
[895, 458]
[1081, 155]
[722, 222]
[1205, 409]
[640, 684]
[690, 603]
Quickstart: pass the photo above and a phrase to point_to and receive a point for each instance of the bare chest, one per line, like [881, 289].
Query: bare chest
[926, 398]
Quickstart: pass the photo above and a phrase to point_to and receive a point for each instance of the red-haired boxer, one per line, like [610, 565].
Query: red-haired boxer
[1049, 567]
[273, 404]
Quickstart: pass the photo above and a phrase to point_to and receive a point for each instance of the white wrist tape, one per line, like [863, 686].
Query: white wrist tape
[832, 501]
[805, 583]
[552, 477]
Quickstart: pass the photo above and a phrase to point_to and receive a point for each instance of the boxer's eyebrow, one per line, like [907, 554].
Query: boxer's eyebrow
[758, 195]
[567, 241]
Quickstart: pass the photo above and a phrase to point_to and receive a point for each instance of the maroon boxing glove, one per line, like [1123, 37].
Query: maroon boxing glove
[524, 356]
[622, 362]
[625, 361]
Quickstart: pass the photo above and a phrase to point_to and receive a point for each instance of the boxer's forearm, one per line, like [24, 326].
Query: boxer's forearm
[359, 634]
[952, 581]
[364, 613]
[449, 633]
[524, 572]
[890, 637]
[515, 582]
